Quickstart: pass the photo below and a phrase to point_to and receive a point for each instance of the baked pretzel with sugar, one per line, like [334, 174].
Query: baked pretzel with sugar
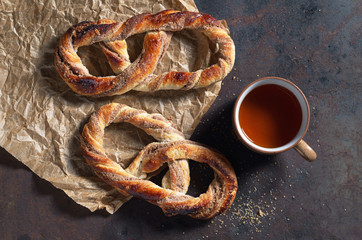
[172, 148]
[139, 74]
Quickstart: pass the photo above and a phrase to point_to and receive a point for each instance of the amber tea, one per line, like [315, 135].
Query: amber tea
[270, 116]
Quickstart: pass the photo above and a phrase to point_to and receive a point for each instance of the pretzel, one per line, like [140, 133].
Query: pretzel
[172, 148]
[139, 74]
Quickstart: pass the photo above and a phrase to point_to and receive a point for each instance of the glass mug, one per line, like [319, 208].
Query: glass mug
[271, 115]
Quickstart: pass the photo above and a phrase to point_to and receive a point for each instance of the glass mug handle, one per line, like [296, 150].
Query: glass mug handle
[306, 151]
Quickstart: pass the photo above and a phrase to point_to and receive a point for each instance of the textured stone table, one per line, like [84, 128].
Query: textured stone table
[317, 45]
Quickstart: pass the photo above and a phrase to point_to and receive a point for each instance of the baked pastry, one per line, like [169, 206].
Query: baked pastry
[171, 149]
[139, 74]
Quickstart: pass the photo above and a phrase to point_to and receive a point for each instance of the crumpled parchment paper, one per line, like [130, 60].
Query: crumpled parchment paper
[41, 118]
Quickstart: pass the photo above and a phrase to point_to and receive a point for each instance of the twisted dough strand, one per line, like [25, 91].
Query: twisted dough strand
[174, 148]
[138, 75]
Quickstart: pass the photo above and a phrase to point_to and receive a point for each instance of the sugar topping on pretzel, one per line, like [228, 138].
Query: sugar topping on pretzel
[172, 148]
[138, 75]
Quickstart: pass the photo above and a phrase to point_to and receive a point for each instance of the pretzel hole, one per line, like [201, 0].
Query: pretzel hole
[95, 61]
[201, 176]
[158, 175]
[123, 141]
[135, 46]
[189, 51]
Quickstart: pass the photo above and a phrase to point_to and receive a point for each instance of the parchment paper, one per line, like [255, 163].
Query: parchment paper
[41, 117]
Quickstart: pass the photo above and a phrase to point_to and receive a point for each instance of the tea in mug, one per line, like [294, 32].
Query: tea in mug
[270, 116]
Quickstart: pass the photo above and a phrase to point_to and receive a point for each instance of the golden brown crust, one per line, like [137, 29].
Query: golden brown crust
[172, 148]
[138, 75]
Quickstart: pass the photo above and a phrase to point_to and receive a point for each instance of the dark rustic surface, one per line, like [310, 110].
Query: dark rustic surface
[317, 45]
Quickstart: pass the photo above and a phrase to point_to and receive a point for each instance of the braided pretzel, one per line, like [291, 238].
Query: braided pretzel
[138, 75]
[173, 149]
